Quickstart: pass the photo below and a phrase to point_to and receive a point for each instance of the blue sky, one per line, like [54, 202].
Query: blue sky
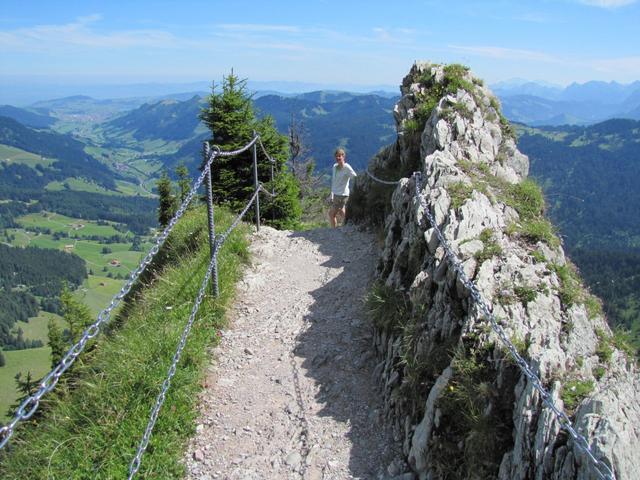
[324, 42]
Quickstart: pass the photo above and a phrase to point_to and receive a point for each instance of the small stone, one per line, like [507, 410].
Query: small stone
[198, 456]
[293, 460]
[248, 351]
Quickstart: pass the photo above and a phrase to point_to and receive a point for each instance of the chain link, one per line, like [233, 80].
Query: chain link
[135, 463]
[231, 153]
[264, 190]
[223, 237]
[386, 182]
[264, 150]
[602, 469]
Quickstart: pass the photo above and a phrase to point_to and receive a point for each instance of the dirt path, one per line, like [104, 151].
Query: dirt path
[290, 391]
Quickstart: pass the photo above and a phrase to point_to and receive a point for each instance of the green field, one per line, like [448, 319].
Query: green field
[78, 185]
[97, 292]
[60, 223]
[22, 238]
[34, 360]
[36, 327]
[128, 188]
[11, 154]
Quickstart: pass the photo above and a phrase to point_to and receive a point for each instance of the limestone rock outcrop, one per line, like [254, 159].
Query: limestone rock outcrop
[456, 396]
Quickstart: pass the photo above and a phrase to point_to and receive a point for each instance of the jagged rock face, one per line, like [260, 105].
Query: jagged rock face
[455, 395]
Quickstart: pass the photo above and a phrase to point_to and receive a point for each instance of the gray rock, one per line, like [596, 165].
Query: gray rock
[559, 342]
[293, 460]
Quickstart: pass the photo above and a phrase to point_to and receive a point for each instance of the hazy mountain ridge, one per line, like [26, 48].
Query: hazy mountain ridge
[578, 104]
[168, 119]
[360, 122]
[27, 117]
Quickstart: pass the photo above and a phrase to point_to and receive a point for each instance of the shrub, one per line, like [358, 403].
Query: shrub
[574, 391]
[459, 192]
[526, 198]
[604, 349]
[387, 308]
[525, 294]
[491, 247]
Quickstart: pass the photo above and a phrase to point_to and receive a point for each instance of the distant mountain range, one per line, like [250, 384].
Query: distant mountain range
[578, 104]
[361, 123]
[26, 91]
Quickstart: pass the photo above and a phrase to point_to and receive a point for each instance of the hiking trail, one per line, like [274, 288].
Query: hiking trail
[290, 392]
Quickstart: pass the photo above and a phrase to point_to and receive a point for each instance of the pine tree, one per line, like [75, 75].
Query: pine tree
[167, 203]
[232, 121]
[76, 314]
[56, 342]
[27, 388]
[184, 181]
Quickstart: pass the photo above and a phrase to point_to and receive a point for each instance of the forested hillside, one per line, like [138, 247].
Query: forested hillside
[591, 179]
[27, 117]
[27, 273]
[166, 120]
[67, 153]
[136, 212]
[361, 123]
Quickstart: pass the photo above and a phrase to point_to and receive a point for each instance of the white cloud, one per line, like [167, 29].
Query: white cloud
[257, 28]
[387, 35]
[505, 53]
[608, 3]
[80, 34]
[629, 66]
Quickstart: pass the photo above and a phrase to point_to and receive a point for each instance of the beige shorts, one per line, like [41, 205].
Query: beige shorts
[339, 201]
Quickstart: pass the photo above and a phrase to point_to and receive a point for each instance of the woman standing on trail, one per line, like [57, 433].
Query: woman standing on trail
[340, 176]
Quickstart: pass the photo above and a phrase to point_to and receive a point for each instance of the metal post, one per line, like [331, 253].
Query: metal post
[212, 231]
[214, 269]
[255, 182]
[273, 194]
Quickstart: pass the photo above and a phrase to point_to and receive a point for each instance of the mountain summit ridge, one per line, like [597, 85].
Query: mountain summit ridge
[452, 389]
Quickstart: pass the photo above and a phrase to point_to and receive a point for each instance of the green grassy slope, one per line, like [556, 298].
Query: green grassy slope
[96, 420]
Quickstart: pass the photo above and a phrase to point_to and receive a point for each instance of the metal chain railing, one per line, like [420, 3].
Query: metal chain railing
[264, 150]
[29, 406]
[220, 239]
[135, 463]
[385, 182]
[218, 153]
[212, 268]
[602, 469]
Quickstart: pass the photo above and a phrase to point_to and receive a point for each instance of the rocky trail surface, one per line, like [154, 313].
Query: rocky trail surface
[290, 392]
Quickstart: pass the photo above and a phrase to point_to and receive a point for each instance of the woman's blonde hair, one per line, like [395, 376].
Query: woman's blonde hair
[339, 150]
